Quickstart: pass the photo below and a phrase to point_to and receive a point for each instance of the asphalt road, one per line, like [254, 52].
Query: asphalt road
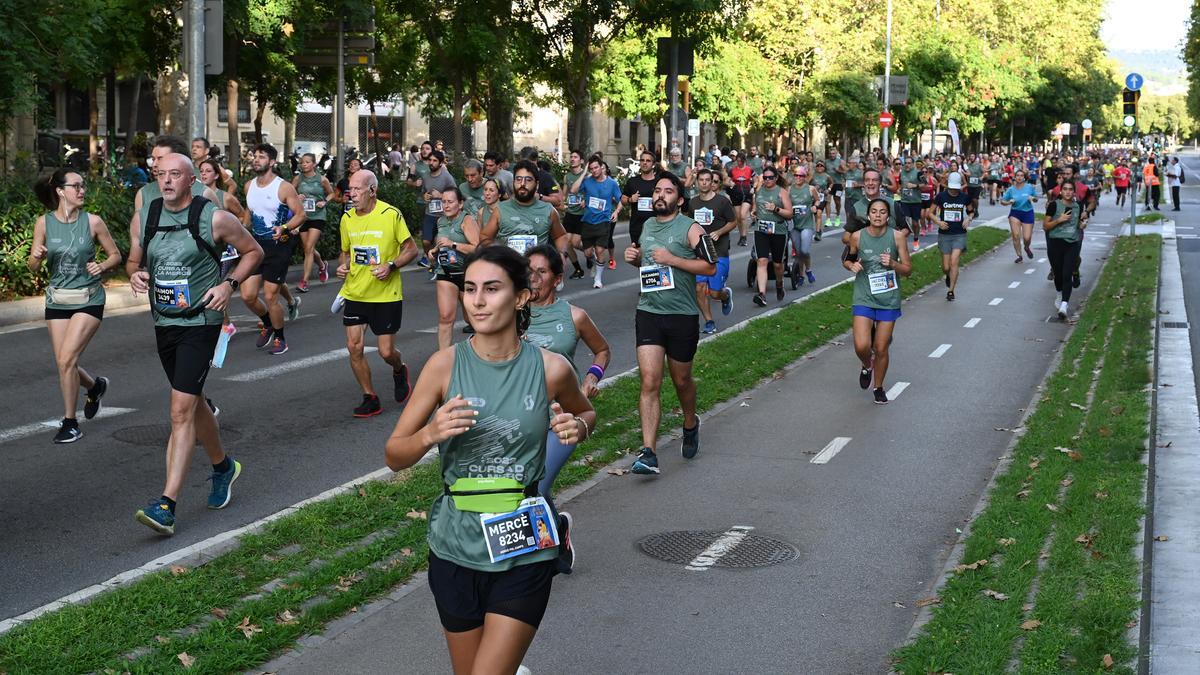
[1187, 230]
[871, 526]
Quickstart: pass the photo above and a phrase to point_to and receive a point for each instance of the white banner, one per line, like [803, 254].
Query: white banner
[954, 137]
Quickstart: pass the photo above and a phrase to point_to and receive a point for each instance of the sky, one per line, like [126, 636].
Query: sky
[1142, 24]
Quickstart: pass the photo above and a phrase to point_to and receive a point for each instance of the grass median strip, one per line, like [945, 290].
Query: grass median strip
[1059, 588]
[329, 558]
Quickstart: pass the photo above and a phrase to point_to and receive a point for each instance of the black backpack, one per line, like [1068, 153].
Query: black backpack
[150, 227]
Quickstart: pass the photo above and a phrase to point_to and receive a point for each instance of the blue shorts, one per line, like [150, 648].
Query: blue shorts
[717, 281]
[876, 314]
[1023, 216]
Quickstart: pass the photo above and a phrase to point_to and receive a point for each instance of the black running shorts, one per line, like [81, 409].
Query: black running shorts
[383, 317]
[679, 334]
[185, 353]
[463, 595]
[276, 258]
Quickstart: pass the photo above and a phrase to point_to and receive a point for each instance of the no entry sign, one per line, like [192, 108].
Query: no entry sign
[886, 119]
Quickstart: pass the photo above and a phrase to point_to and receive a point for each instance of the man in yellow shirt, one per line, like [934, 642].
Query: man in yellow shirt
[375, 245]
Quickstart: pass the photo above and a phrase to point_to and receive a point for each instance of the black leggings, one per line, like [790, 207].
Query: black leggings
[1062, 255]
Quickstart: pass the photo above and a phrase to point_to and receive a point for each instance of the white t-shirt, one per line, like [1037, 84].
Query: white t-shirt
[1173, 172]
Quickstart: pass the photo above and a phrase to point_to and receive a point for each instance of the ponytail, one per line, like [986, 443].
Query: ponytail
[46, 188]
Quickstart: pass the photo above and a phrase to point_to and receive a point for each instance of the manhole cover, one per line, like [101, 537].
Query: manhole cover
[1174, 324]
[156, 435]
[747, 550]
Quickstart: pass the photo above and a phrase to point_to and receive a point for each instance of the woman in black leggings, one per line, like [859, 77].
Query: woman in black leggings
[1064, 224]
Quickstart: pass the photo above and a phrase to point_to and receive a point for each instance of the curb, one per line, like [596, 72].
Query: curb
[116, 296]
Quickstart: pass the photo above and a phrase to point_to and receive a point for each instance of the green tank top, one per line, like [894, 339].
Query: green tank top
[180, 271]
[507, 441]
[473, 197]
[310, 189]
[672, 235]
[517, 220]
[1068, 231]
[552, 328]
[574, 201]
[766, 196]
[910, 195]
[854, 181]
[453, 229]
[802, 206]
[869, 250]
[150, 192]
[70, 248]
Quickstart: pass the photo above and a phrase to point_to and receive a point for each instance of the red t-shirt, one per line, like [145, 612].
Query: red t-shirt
[1121, 176]
[742, 175]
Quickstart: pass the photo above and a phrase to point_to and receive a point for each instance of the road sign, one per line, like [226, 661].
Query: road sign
[1129, 120]
[886, 119]
[350, 44]
[694, 127]
[1086, 124]
[1134, 81]
[214, 37]
[897, 92]
[330, 59]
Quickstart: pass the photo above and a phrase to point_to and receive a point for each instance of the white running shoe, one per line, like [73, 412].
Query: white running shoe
[1062, 310]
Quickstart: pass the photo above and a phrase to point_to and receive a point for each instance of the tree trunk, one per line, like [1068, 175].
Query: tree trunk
[234, 158]
[577, 87]
[289, 134]
[500, 119]
[259, 109]
[131, 128]
[93, 127]
[456, 118]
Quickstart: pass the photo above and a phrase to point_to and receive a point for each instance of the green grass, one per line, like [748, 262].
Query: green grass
[1084, 592]
[166, 614]
[1151, 217]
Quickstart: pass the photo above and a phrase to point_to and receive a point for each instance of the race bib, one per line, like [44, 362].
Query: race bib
[800, 210]
[530, 528]
[574, 199]
[656, 278]
[172, 293]
[953, 216]
[645, 204]
[850, 184]
[230, 253]
[908, 193]
[310, 205]
[926, 196]
[767, 226]
[366, 255]
[450, 260]
[522, 242]
[595, 203]
[435, 207]
[973, 181]
[882, 282]
[704, 216]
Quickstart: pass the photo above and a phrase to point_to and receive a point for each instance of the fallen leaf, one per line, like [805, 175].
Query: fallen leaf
[1107, 662]
[354, 609]
[618, 472]
[1023, 494]
[177, 570]
[1131, 624]
[1027, 607]
[1077, 406]
[1104, 431]
[1085, 539]
[344, 583]
[1035, 463]
[994, 594]
[1062, 449]
[1052, 508]
[248, 629]
[185, 659]
[1074, 455]
[286, 618]
[1066, 482]
[219, 613]
[1030, 624]
[899, 605]
[162, 640]
[1006, 541]
[925, 602]
[362, 492]
[1097, 554]
[1102, 495]
[1162, 537]
[406, 551]
[1117, 409]
[417, 515]
[973, 566]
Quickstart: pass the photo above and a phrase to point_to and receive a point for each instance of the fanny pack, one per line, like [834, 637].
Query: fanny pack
[489, 495]
[69, 296]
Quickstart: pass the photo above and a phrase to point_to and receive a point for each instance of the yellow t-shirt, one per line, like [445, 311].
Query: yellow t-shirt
[368, 241]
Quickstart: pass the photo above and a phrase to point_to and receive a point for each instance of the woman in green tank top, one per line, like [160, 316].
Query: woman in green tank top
[878, 257]
[315, 192]
[804, 198]
[487, 404]
[558, 326]
[772, 214]
[456, 238]
[491, 202]
[66, 237]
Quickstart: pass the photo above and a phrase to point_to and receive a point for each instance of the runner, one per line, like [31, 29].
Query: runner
[673, 250]
[929, 188]
[572, 217]
[974, 176]
[418, 171]
[1020, 197]
[803, 196]
[953, 207]
[995, 169]
[602, 202]
[770, 233]
[1108, 168]
[491, 201]
[472, 186]
[457, 237]
[315, 192]
[741, 195]
[857, 214]
[487, 404]
[181, 271]
[353, 165]
[65, 237]
[854, 181]
[375, 244]
[823, 182]
[1064, 224]
[713, 211]
[276, 214]
[910, 197]
[638, 195]
[878, 257]
[493, 167]
[837, 172]
[676, 165]
[438, 180]
[525, 221]
[1121, 178]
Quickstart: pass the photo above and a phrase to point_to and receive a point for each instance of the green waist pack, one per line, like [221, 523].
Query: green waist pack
[489, 495]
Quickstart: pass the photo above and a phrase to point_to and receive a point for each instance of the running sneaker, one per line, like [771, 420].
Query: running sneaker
[597, 284]
[423, 262]
[1050, 276]
[400, 380]
[157, 516]
[646, 463]
[338, 303]
[812, 278]
[797, 278]
[294, 310]
[590, 262]
[916, 245]
[612, 263]
[278, 347]
[880, 396]
[816, 236]
[950, 295]
[691, 441]
[91, 404]
[578, 273]
[727, 303]
[213, 407]
[264, 337]
[864, 378]
[322, 271]
[68, 432]
[1075, 280]
[760, 300]
[710, 327]
[566, 549]
[1018, 260]
[1028, 252]
[1062, 310]
[779, 292]
[219, 495]
[302, 287]
[742, 241]
[369, 408]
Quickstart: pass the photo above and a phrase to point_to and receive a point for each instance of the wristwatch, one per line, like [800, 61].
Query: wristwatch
[233, 283]
[392, 265]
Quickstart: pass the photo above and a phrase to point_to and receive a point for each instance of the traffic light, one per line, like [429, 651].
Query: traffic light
[1129, 102]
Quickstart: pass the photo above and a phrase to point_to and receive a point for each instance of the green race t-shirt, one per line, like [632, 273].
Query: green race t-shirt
[672, 235]
[69, 248]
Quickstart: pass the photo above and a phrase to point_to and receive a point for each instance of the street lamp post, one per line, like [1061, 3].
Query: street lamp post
[195, 72]
[887, 75]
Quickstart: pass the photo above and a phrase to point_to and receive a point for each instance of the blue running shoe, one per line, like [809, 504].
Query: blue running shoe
[157, 516]
[218, 498]
[710, 327]
[424, 261]
[646, 463]
[727, 303]
[691, 441]
[812, 278]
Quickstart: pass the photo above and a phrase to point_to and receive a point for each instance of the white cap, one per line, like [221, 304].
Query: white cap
[954, 181]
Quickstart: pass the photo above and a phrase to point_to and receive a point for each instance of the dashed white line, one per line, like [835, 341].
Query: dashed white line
[896, 390]
[1014, 284]
[972, 323]
[996, 301]
[1041, 260]
[40, 427]
[1030, 271]
[298, 364]
[937, 353]
[719, 548]
[835, 446]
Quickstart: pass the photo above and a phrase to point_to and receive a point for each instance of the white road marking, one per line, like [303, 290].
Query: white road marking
[1030, 271]
[1041, 260]
[972, 323]
[896, 390]
[996, 301]
[298, 364]
[719, 548]
[40, 427]
[835, 446]
[1184, 227]
[1014, 284]
[937, 353]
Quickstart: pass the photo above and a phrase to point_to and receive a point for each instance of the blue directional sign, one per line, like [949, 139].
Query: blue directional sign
[1133, 81]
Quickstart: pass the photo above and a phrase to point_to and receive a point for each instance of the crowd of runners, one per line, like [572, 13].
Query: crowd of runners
[509, 401]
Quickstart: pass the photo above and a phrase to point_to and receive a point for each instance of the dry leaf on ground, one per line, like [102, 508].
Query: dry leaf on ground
[1052, 507]
[1162, 537]
[898, 604]
[417, 515]
[219, 613]
[286, 618]
[161, 639]
[1086, 539]
[1023, 493]
[406, 551]
[1075, 455]
[925, 602]
[1107, 662]
[185, 659]
[973, 566]
[994, 594]
[1102, 495]
[618, 472]
[177, 570]
[1037, 461]
[1006, 541]
[362, 492]
[1066, 482]
[248, 629]
[1105, 432]
[1030, 624]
